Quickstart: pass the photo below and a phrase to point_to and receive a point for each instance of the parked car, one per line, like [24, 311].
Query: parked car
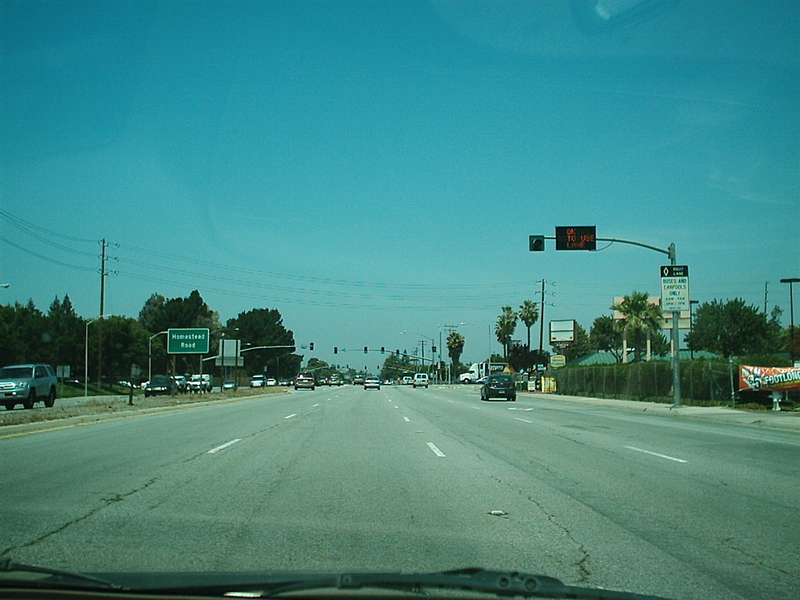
[272, 382]
[420, 380]
[180, 383]
[257, 381]
[200, 383]
[499, 386]
[305, 380]
[229, 385]
[27, 384]
[159, 385]
[372, 383]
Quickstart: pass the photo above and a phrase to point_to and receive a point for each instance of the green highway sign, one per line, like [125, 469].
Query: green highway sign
[192, 340]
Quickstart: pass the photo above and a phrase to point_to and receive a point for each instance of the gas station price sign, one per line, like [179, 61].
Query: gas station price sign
[576, 238]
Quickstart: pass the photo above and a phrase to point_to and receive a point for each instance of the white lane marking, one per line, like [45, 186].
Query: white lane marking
[316, 405]
[407, 420]
[523, 420]
[435, 450]
[656, 454]
[522, 409]
[225, 445]
[290, 416]
[476, 407]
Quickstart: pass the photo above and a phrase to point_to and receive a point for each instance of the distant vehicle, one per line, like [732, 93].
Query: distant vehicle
[27, 384]
[358, 380]
[180, 382]
[257, 381]
[324, 381]
[479, 370]
[372, 383]
[230, 385]
[160, 385]
[200, 383]
[387, 382]
[336, 380]
[420, 380]
[408, 380]
[304, 380]
[285, 382]
[272, 382]
[499, 385]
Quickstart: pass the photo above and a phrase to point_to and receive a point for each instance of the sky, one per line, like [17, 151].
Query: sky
[373, 169]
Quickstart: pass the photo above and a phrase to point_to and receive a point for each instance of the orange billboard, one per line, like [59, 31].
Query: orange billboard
[768, 378]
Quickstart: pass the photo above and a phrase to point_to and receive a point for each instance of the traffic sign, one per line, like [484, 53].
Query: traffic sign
[674, 288]
[675, 271]
[576, 238]
[193, 340]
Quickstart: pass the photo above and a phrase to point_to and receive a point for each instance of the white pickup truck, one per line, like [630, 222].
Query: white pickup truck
[200, 383]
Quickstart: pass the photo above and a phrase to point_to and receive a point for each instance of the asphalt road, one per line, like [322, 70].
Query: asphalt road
[413, 479]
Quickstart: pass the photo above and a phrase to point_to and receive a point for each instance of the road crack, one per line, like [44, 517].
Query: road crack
[104, 503]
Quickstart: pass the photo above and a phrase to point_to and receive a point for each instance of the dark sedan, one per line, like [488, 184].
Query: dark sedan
[499, 386]
[160, 384]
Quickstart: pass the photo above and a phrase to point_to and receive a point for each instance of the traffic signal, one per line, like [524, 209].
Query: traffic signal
[336, 350]
[383, 350]
[433, 349]
[536, 243]
[397, 352]
[366, 350]
[311, 346]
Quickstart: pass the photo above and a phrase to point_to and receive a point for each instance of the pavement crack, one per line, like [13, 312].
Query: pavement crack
[104, 502]
[582, 563]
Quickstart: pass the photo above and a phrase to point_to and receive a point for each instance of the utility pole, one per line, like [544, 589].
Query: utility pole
[103, 274]
[541, 320]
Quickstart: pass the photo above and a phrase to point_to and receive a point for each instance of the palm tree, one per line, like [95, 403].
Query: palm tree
[455, 346]
[528, 314]
[504, 329]
[639, 320]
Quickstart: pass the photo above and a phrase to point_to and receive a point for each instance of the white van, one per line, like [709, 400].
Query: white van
[421, 380]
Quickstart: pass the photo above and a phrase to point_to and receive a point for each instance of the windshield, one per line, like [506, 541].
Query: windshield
[16, 373]
[599, 198]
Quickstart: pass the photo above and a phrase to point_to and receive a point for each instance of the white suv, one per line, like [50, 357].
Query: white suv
[420, 380]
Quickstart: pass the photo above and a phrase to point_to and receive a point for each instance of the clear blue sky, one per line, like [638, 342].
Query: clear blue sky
[374, 167]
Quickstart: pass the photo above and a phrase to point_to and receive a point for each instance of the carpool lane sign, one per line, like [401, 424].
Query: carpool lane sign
[187, 341]
[674, 288]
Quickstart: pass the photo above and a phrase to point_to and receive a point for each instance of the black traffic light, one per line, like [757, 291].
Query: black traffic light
[397, 352]
[433, 349]
[536, 243]
[336, 350]
[383, 350]
[311, 346]
[366, 350]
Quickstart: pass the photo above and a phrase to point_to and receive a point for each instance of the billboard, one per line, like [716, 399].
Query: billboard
[768, 378]
[562, 331]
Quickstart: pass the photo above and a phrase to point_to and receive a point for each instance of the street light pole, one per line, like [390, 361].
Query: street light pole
[150, 354]
[86, 357]
[791, 281]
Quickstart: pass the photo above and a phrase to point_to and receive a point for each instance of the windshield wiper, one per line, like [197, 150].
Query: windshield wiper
[497, 583]
[53, 578]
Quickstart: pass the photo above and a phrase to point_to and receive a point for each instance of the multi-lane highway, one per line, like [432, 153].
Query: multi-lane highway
[413, 479]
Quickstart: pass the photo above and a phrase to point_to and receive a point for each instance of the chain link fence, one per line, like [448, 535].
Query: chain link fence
[703, 382]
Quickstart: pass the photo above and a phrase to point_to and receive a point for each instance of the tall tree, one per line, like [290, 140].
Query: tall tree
[66, 330]
[455, 346]
[733, 328]
[264, 327]
[640, 319]
[580, 347]
[504, 329]
[606, 336]
[528, 314]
